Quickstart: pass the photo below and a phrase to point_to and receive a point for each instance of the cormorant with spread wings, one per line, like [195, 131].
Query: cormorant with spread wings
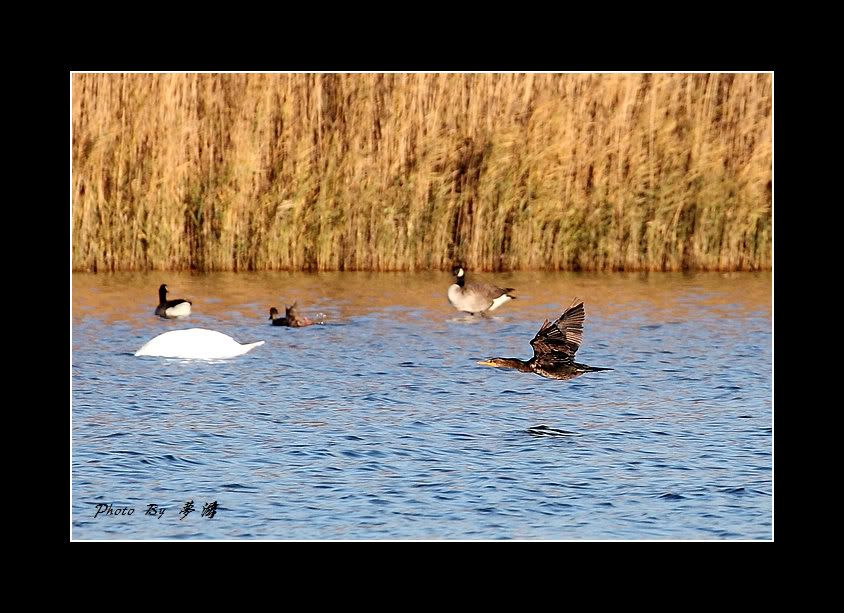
[554, 347]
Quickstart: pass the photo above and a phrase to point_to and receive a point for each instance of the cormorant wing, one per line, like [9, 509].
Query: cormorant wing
[561, 338]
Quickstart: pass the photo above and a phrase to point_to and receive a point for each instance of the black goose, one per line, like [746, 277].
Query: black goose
[277, 321]
[171, 309]
[476, 297]
[554, 347]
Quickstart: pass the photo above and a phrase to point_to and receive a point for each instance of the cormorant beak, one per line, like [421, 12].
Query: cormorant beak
[487, 363]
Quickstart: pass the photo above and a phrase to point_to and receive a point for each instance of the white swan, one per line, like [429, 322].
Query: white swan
[195, 343]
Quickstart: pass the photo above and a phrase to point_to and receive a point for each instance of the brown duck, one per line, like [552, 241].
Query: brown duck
[554, 347]
[291, 318]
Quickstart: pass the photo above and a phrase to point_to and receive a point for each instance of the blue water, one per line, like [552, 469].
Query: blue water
[380, 424]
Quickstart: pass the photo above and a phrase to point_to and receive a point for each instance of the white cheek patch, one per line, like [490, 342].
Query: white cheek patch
[499, 301]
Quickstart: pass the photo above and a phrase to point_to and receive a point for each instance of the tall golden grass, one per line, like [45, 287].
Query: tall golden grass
[415, 171]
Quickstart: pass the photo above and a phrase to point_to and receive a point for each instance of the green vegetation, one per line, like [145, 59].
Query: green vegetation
[414, 171]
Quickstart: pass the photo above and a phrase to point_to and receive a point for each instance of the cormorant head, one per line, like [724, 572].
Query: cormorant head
[505, 363]
[273, 312]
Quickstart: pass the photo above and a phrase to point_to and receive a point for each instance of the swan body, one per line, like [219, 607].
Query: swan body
[195, 343]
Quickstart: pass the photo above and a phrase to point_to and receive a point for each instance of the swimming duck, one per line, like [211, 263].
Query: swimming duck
[195, 343]
[171, 309]
[554, 347]
[277, 321]
[291, 318]
[476, 297]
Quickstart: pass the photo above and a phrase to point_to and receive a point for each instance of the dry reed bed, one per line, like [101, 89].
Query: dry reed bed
[415, 171]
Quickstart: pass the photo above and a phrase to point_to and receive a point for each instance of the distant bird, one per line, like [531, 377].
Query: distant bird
[195, 343]
[554, 347]
[291, 318]
[171, 309]
[476, 297]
